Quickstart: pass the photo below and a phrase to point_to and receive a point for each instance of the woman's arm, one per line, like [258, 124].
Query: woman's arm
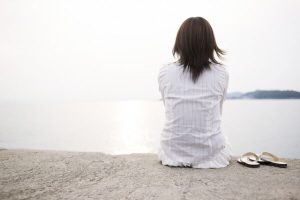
[226, 81]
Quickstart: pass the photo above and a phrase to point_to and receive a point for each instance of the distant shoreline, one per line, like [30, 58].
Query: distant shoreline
[254, 95]
[255, 99]
[265, 94]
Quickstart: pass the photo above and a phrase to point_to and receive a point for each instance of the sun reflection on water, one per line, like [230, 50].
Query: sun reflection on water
[132, 127]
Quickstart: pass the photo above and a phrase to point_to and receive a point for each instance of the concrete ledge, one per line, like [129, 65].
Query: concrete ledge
[29, 174]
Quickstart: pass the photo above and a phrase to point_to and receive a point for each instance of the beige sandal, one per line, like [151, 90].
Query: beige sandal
[249, 159]
[267, 158]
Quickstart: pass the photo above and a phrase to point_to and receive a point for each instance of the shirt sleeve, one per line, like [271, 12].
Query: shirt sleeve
[225, 84]
[161, 81]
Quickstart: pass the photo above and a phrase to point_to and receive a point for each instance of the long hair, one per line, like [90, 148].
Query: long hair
[195, 46]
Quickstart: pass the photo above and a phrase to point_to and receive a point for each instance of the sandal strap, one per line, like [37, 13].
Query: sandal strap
[248, 154]
[267, 155]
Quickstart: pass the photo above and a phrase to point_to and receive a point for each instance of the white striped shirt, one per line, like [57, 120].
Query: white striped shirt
[192, 131]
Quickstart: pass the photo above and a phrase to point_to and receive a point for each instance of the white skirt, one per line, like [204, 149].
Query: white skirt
[222, 159]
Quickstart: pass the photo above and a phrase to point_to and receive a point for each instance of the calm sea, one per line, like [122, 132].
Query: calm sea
[122, 127]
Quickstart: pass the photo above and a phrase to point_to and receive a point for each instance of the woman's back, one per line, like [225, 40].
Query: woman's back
[192, 132]
[193, 90]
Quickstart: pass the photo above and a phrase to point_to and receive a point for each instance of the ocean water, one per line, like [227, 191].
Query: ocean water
[123, 127]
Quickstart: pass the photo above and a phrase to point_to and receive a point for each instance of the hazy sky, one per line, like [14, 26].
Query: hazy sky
[90, 50]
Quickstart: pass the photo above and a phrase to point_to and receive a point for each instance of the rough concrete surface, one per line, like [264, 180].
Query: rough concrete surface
[30, 174]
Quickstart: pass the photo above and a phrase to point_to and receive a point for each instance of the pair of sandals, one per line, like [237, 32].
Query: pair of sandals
[253, 160]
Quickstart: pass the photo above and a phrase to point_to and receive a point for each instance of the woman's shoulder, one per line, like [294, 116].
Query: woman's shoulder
[220, 68]
[168, 66]
[222, 73]
[163, 71]
[171, 64]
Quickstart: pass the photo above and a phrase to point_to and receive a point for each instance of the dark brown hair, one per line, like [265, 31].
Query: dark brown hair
[195, 45]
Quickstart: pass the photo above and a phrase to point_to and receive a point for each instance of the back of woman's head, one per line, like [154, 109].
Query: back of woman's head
[195, 45]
